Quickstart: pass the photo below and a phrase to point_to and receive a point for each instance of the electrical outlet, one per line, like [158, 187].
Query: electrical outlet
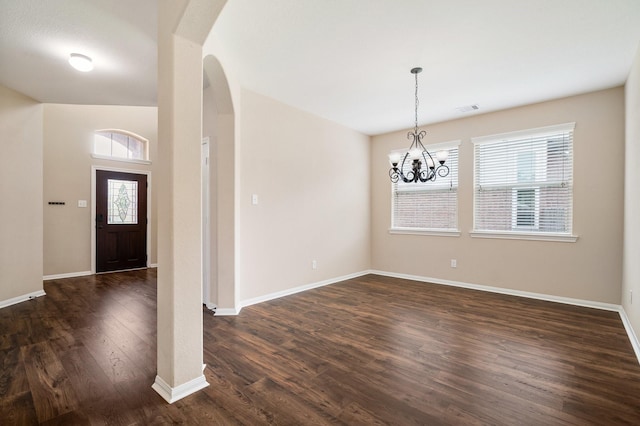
[454, 263]
[314, 264]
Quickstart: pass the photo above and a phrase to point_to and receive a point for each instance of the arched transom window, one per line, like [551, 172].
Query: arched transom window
[120, 145]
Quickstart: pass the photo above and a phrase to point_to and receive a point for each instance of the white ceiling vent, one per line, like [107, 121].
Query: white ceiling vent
[468, 108]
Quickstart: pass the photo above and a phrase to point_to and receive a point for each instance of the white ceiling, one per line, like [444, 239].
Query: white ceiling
[37, 36]
[345, 60]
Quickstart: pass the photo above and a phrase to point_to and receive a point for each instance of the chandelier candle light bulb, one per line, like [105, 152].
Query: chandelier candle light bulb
[442, 156]
[394, 158]
[417, 155]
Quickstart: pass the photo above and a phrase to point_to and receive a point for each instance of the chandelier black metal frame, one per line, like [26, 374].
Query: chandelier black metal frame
[418, 155]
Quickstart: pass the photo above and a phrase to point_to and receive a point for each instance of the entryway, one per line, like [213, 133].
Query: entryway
[120, 220]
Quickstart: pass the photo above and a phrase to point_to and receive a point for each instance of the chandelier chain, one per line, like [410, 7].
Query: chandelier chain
[417, 102]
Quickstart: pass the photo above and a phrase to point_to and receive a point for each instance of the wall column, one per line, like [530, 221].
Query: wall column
[182, 28]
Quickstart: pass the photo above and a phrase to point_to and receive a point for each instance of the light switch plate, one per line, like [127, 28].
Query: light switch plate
[82, 203]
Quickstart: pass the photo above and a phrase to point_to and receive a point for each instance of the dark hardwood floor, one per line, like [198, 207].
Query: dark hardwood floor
[371, 350]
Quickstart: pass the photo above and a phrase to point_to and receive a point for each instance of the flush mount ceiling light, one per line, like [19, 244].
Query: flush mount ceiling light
[412, 171]
[81, 62]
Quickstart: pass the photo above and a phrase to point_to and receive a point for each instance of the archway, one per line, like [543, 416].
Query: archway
[218, 125]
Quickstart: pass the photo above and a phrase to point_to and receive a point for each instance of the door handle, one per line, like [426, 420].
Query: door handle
[99, 220]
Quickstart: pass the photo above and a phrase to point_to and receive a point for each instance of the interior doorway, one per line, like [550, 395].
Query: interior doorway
[205, 167]
[218, 124]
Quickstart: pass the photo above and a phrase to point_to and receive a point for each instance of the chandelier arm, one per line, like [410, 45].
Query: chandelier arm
[411, 176]
[427, 175]
[404, 159]
[418, 139]
[442, 170]
[393, 175]
[426, 162]
[396, 173]
[413, 137]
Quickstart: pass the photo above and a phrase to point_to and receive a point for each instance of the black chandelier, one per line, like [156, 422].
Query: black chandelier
[418, 155]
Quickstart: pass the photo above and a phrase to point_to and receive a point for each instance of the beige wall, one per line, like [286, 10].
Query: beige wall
[68, 143]
[631, 271]
[311, 177]
[20, 195]
[589, 269]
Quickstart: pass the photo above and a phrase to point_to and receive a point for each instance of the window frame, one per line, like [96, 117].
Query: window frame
[431, 186]
[524, 232]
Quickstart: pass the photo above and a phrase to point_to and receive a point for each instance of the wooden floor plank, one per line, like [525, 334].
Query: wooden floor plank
[231, 398]
[98, 398]
[146, 406]
[114, 363]
[283, 406]
[133, 347]
[52, 393]
[370, 350]
[18, 409]
[13, 376]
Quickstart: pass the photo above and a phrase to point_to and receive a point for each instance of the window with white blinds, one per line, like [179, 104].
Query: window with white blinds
[524, 182]
[428, 206]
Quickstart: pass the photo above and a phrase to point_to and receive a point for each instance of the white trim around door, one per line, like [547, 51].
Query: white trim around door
[94, 168]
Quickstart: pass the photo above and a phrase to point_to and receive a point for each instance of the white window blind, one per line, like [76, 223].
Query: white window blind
[524, 181]
[429, 205]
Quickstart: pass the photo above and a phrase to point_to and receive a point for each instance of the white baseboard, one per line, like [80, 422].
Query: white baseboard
[225, 312]
[20, 299]
[635, 343]
[255, 300]
[172, 395]
[67, 275]
[290, 291]
[153, 265]
[507, 291]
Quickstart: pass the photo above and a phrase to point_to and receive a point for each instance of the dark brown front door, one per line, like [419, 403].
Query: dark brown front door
[121, 221]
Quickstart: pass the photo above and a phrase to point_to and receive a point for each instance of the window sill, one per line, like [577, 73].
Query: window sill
[122, 160]
[420, 231]
[562, 238]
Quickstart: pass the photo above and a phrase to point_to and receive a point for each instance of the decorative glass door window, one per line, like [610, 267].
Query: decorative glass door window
[122, 205]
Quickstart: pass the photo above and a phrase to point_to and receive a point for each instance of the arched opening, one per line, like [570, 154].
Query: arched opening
[219, 242]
